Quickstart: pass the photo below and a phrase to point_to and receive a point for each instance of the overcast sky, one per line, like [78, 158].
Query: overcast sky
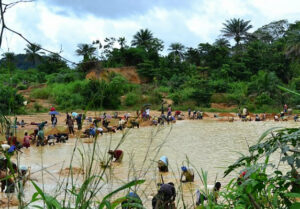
[65, 23]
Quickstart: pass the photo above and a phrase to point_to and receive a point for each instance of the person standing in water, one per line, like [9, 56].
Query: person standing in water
[148, 113]
[70, 124]
[40, 137]
[26, 140]
[53, 121]
[285, 108]
[169, 111]
[79, 121]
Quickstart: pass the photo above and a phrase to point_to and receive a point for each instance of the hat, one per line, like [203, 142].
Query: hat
[183, 168]
[23, 168]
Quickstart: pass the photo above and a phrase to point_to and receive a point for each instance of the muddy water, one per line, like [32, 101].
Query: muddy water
[208, 145]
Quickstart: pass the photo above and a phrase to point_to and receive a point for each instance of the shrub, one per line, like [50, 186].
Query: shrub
[264, 99]
[22, 87]
[10, 101]
[131, 99]
[37, 107]
[41, 93]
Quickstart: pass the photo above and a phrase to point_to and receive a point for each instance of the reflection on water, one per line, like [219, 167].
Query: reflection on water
[208, 145]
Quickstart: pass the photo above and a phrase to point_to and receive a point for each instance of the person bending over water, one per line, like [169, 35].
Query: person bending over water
[257, 118]
[165, 197]
[200, 198]
[163, 164]
[117, 154]
[188, 173]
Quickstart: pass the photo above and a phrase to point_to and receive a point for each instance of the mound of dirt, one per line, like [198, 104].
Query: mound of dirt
[145, 123]
[52, 131]
[225, 114]
[270, 116]
[222, 106]
[88, 140]
[75, 171]
[5, 202]
[205, 115]
[129, 73]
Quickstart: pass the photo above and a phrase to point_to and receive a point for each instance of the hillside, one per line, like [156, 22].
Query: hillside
[130, 73]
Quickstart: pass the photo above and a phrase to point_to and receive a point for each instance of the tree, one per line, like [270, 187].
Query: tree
[192, 56]
[88, 51]
[222, 42]
[177, 50]
[144, 39]
[34, 53]
[237, 29]
[122, 42]
[52, 64]
[9, 58]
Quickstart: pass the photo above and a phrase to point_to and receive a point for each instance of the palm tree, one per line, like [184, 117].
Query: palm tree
[33, 52]
[122, 42]
[237, 29]
[222, 42]
[86, 50]
[177, 50]
[9, 58]
[143, 38]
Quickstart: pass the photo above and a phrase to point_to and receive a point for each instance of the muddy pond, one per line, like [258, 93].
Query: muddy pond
[207, 145]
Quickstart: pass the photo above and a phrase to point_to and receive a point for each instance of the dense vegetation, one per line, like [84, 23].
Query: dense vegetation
[245, 74]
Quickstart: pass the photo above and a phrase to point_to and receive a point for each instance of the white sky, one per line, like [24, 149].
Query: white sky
[65, 23]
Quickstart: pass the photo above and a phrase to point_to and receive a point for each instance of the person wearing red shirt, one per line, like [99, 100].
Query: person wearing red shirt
[117, 154]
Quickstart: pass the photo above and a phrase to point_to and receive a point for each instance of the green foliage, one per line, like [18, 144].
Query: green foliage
[247, 73]
[132, 99]
[256, 187]
[264, 99]
[87, 93]
[10, 101]
[41, 93]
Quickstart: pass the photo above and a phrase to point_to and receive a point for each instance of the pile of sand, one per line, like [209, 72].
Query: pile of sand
[145, 123]
[88, 140]
[52, 131]
[225, 114]
[270, 115]
[205, 115]
[5, 202]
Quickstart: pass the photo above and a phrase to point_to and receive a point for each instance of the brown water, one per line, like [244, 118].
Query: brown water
[209, 145]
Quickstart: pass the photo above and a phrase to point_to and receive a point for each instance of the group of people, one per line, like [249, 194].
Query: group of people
[195, 114]
[166, 194]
